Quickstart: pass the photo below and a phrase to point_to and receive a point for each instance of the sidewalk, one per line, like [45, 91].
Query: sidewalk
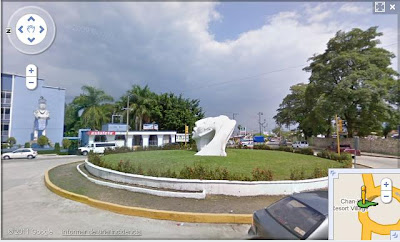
[54, 156]
[380, 155]
[319, 149]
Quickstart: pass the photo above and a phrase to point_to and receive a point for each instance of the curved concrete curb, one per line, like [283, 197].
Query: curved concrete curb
[215, 187]
[195, 195]
[150, 213]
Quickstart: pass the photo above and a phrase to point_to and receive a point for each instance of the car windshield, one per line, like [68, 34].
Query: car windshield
[295, 216]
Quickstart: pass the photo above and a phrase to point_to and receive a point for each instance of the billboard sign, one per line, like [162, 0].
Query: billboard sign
[101, 132]
[114, 127]
[150, 126]
[242, 131]
[181, 138]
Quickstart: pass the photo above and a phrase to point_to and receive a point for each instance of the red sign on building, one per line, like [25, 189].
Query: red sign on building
[101, 132]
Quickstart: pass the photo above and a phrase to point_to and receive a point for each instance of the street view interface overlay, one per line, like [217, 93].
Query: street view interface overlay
[200, 120]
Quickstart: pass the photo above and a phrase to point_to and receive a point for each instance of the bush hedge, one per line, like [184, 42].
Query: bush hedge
[47, 152]
[261, 147]
[305, 151]
[297, 174]
[344, 158]
[57, 147]
[286, 148]
[118, 150]
[197, 171]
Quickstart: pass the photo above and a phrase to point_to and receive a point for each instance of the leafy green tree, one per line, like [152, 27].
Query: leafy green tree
[292, 109]
[94, 105]
[141, 104]
[71, 119]
[170, 111]
[11, 141]
[174, 112]
[57, 147]
[43, 140]
[239, 127]
[27, 145]
[66, 143]
[277, 130]
[353, 78]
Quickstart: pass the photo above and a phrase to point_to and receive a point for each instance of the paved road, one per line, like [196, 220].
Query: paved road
[378, 162]
[31, 211]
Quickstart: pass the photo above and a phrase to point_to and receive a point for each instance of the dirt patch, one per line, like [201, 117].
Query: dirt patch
[67, 177]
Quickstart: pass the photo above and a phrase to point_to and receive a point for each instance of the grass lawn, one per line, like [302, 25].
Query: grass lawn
[237, 162]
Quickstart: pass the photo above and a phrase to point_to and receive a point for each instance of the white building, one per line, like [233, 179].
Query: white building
[135, 138]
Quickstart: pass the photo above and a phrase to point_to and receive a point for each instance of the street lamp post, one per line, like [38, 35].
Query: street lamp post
[127, 120]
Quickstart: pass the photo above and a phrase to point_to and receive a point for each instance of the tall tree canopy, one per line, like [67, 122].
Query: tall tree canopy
[94, 107]
[170, 111]
[141, 104]
[352, 79]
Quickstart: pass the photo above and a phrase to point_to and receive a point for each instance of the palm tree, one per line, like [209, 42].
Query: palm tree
[94, 105]
[142, 102]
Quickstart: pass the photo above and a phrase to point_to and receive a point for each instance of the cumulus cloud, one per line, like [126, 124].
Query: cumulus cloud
[169, 47]
[354, 8]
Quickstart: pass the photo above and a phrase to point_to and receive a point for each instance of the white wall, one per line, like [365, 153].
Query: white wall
[221, 187]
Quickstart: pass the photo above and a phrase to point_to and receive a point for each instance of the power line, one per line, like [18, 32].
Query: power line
[211, 84]
[242, 79]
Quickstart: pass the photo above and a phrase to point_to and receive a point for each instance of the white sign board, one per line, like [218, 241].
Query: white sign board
[181, 138]
[150, 126]
[242, 131]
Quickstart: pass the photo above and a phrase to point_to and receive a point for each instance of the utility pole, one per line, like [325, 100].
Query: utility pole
[261, 124]
[233, 117]
[259, 120]
[337, 135]
[265, 125]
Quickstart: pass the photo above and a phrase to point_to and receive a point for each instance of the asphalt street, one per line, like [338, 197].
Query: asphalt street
[378, 162]
[31, 211]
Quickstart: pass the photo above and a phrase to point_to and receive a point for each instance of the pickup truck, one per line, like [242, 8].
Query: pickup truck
[347, 149]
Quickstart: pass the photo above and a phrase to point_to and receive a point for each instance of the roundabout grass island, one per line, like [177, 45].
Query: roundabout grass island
[240, 164]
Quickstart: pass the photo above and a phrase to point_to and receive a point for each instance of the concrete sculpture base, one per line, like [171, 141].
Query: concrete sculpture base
[212, 135]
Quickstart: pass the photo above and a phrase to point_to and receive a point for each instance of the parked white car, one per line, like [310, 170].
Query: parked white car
[300, 144]
[20, 153]
[96, 148]
[247, 143]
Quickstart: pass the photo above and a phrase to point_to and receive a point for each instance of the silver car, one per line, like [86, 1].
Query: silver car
[20, 153]
[299, 216]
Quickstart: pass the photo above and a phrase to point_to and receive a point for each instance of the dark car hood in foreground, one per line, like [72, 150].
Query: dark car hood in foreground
[269, 228]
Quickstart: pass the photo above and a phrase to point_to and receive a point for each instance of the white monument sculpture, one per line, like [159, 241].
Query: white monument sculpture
[42, 115]
[212, 135]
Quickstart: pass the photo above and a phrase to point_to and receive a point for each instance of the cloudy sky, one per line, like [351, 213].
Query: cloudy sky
[234, 57]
